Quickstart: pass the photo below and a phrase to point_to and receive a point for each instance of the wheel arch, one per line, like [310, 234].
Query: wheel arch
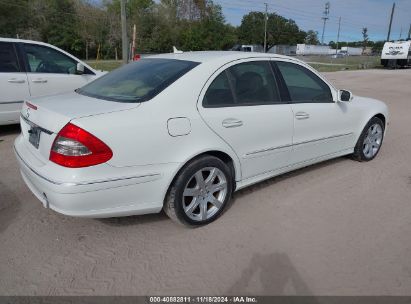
[382, 117]
[364, 123]
[224, 156]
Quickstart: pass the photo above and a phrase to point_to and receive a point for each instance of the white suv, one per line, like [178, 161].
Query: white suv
[31, 69]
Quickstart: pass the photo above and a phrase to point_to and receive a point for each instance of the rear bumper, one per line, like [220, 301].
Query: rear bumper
[117, 193]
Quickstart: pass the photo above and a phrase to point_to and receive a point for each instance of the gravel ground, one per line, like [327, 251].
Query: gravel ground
[337, 228]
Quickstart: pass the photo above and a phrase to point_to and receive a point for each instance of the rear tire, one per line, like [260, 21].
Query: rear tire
[200, 192]
[370, 141]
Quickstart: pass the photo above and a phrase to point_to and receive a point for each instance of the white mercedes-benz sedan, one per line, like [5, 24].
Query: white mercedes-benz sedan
[182, 132]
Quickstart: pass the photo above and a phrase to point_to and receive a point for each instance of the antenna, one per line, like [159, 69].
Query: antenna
[325, 17]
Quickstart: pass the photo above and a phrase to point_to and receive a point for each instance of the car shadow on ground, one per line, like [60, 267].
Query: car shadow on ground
[10, 129]
[277, 179]
[9, 206]
[276, 276]
[134, 219]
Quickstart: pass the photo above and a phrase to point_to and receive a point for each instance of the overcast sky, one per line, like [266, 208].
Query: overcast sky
[355, 14]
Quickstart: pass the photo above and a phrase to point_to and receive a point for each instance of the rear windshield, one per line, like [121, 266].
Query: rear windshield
[138, 81]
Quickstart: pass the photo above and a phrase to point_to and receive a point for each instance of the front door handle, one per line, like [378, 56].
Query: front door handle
[232, 123]
[39, 80]
[302, 115]
[14, 80]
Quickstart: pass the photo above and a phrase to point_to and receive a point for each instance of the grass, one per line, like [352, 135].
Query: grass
[320, 63]
[328, 64]
[105, 65]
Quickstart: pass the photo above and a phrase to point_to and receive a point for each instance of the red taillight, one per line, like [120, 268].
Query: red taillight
[77, 148]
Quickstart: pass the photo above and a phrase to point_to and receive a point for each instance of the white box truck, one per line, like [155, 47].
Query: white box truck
[307, 49]
[396, 53]
[351, 51]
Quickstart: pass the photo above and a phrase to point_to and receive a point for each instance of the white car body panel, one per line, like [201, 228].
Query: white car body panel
[14, 89]
[43, 84]
[147, 156]
[17, 87]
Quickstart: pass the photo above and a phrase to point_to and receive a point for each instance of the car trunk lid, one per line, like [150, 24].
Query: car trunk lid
[41, 119]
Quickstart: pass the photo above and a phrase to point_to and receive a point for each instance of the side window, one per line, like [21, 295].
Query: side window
[8, 58]
[42, 59]
[254, 83]
[219, 93]
[303, 85]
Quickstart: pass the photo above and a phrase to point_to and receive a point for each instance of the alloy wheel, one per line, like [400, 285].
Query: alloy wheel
[372, 141]
[205, 193]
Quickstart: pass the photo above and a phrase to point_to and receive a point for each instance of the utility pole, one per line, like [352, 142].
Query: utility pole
[325, 18]
[265, 27]
[400, 33]
[133, 45]
[338, 35]
[124, 41]
[392, 16]
[409, 33]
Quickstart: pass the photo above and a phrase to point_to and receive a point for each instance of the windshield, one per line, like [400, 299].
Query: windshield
[138, 81]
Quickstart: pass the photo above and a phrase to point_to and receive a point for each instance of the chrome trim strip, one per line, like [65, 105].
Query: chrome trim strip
[83, 183]
[323, 138]
[32, 123]
[11, 102]
[268, 149]
[296, 144]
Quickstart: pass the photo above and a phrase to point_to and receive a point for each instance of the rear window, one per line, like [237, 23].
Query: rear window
[138, 81]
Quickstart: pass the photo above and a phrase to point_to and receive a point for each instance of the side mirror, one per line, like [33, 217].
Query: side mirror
[80, 69]
[344, 96]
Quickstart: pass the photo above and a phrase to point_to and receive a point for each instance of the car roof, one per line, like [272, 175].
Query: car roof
[22, 40]
[208, 56]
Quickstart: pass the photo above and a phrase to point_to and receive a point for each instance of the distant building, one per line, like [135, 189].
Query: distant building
[308, 49]
[283, 49]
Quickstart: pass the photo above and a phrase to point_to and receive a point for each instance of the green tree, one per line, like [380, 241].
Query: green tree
[279, 30]
[60, 26]
[311, 38]
[13, 17]
[332, 44]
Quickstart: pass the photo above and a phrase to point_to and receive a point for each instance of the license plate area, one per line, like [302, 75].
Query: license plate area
[34, 136]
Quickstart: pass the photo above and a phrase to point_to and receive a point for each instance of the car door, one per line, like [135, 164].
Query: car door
[50, 71]
[242, 105]
[322, 126]
[13, 84]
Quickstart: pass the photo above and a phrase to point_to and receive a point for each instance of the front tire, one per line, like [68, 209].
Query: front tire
[200, 192]
[370, 141]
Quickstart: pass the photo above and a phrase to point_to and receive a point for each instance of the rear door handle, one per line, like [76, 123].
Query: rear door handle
[302, 115]
[14, 80]
[232, 123]
[39, 80]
